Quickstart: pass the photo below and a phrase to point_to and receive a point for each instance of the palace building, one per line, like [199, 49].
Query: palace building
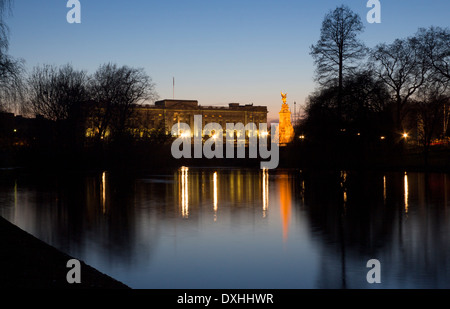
[166, 113]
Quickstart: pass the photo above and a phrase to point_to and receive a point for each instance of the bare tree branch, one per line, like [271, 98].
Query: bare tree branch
[115, 91]
[338, 48]
[55, 92]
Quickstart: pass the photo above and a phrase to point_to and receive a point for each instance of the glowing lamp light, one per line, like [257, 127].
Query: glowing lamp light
[382, 137]
[405, 135]
[264, 133]
[301, 137]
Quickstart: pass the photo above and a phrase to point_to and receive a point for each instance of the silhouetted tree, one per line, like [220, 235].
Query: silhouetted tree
[11, 82]
[430, 110]
[11, 70]
[435, 44]
[321, 120]
[115, 91]
[57, 93]
[433, 98]
[364, 107]
[338, 48]
[5, 8]
[403, 67]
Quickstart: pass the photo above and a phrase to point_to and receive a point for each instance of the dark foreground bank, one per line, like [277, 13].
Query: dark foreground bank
[27, 262]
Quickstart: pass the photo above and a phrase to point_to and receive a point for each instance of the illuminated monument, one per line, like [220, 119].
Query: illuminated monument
[285, 126]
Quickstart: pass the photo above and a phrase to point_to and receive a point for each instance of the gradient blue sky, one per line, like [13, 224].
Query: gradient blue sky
[218, 51]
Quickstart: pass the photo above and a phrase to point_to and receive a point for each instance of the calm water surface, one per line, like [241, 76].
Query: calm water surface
[242, 228]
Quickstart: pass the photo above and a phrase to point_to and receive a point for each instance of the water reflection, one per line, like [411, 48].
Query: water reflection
[406, 193]
[164, 231]
[302, 189]
[343, 180]
[265, 190]
[184, 186]
[231, 187]
[283, 184]
[103, 190]
[215, 196]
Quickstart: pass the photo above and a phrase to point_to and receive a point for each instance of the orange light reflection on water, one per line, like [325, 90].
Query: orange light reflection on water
[284, 187]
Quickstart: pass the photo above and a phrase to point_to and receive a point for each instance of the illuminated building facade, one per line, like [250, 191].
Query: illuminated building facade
[166, 113]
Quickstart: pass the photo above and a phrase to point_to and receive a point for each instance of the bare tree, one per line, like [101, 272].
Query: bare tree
[429, 105]
[403, 67]
[56, 92]
[11, 70]
[363, 107]
[4, 43]
[338, 48]
[5, 8]
[5, 5]
[115, 91]
[11, 82]
[433, 97]
[435, 44]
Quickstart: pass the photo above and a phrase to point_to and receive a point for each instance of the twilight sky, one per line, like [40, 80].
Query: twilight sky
[244, 51]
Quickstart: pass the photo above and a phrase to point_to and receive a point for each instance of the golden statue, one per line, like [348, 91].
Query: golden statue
[286, 130]
[283, 97]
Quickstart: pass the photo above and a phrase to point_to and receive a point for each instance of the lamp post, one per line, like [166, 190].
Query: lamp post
[405, 138]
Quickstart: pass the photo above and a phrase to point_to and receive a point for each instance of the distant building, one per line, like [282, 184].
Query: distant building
[165, 113]
[16, 130]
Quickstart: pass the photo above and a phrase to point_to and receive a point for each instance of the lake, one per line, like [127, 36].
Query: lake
[226, 228]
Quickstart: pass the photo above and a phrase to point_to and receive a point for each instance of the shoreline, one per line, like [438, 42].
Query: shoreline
[304, 155]
[29, 263]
